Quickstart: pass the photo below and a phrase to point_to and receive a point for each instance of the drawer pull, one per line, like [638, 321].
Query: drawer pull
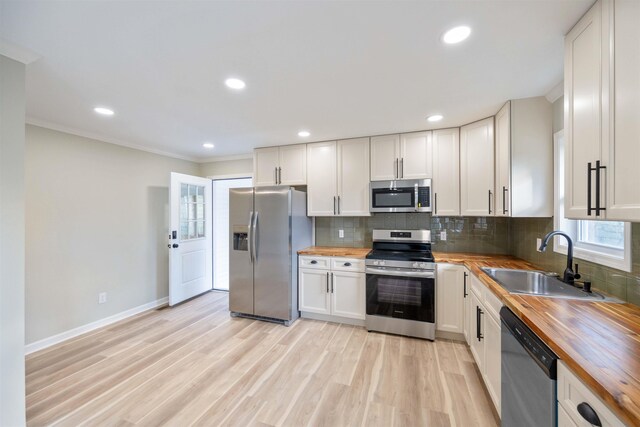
[589, 414]
[347, 264]
[314, 262]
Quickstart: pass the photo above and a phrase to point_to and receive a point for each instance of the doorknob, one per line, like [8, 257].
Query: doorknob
[175, 245]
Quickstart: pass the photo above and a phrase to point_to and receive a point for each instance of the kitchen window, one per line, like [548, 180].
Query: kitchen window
[602, 242]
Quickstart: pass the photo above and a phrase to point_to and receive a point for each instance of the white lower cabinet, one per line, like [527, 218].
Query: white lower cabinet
[485, 337]
[450, 298]
[332, 288]
[573, 393]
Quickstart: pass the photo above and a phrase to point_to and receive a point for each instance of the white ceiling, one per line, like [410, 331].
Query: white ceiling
[339, 69]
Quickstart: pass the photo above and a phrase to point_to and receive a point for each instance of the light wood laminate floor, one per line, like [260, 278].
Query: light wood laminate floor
[195, 365]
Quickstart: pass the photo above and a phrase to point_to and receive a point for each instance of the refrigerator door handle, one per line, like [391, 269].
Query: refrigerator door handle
[254, 234]
[250, 236]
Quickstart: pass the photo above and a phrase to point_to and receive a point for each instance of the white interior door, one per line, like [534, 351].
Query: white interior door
[190, 245]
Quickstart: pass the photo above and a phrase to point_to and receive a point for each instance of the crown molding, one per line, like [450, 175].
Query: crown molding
[226, 158]
[555, 93]
[102, 138]
[17, 53]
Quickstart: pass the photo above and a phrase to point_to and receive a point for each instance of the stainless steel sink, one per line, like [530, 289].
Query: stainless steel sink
[541, 284]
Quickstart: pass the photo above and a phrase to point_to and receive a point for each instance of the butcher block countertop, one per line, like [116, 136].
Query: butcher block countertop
[599, 341]
[338, 252]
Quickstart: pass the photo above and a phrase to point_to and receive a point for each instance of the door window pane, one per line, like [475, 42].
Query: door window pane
[192, 212]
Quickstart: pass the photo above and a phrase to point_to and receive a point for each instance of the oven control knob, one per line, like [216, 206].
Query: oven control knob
[376, 262]
[381, 262]
[416, 265]
[423, 265]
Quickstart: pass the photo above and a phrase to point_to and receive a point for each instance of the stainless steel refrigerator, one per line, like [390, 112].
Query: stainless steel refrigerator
[268, 226]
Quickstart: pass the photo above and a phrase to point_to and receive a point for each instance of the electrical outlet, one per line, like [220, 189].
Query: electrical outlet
[443, 235]
[538, 243]
[102, 297]
[341, 234]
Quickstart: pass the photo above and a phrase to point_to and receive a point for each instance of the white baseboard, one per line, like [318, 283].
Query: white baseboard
[329, 318]
[56, 339]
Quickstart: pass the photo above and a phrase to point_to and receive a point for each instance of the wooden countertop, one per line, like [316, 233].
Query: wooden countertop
[599, 341]
[338, 252]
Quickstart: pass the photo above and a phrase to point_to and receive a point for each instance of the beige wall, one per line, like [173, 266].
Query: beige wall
[12, 212]
[97, 218]
[235, 168]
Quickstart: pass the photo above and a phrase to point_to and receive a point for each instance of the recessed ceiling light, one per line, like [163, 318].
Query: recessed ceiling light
[234, 83]
[456, 34]
[104, 111]
[304, 133]
[208, 145]
[434, 118]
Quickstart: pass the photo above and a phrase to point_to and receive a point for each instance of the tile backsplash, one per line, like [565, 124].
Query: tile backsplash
[514, 236]
[463, 234]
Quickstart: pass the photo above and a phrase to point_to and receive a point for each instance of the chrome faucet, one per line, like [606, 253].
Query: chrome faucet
[569, 276]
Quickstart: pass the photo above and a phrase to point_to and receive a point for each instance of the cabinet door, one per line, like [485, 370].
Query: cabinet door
[450, 298]
[348, 294]
[503, 161]
[265, 166]
[353, 177]
[293, 164]
[385, 157]
[583, 90]
[467, 306]
[321, 179]
[492, 358]
[446, 172]
[477, 331]
[623, 151]
[477, 197]
[415, 156]
[313, 288]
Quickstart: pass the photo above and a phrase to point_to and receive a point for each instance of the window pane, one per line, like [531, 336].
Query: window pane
[192, 211]
[192, 230]
[200, 228]
[184, 230]
[199, 211]
[200, 194]
[603, 233]
[184, 193]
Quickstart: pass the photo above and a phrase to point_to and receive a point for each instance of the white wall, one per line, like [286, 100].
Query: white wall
[12, 242]
[97, 221]
[233, 168]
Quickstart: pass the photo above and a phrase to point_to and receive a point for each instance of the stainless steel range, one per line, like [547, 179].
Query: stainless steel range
[401, 283]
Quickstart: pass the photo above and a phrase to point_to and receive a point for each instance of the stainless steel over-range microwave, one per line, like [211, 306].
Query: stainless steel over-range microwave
[410, 195]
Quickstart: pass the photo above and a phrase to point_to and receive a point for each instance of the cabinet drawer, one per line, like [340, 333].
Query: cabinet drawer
[572, 392]
[319, 262]
[347, 264]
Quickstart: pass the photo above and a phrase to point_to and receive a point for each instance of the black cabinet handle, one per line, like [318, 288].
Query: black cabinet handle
[465, 284]
[279, 175]
[347, 264]
[598, 168]
[478, 320]
[504, 200]
[489, 202]
[327, 282]
[314, 261]
[435, 203]
[331, 282]
[402, 167]
[589, 414]
[589, 170]
[276, 170]
[396, 168]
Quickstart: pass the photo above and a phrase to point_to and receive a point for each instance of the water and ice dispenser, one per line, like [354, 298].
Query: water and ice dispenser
[240, 238]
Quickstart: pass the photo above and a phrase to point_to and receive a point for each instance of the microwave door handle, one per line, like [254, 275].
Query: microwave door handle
[415, 195]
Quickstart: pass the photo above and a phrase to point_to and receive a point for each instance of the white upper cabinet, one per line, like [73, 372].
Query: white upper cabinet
[353, 177]
[265, 166]
[524, 158]
[285, 165]
[477, 197]
[622, 151]
[415, 155]
[446, 172]
[385, 154]
[338, 178]
[602, 113]
[322, 197]
[406, 156]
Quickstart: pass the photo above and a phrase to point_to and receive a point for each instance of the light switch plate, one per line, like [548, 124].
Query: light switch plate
[443, 235]
[102, 297]
[341, 234]
[538, 243]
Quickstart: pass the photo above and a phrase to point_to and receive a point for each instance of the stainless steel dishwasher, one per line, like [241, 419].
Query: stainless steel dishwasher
[529, 395]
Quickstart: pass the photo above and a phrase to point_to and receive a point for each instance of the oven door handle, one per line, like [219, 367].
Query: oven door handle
[400, 273]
